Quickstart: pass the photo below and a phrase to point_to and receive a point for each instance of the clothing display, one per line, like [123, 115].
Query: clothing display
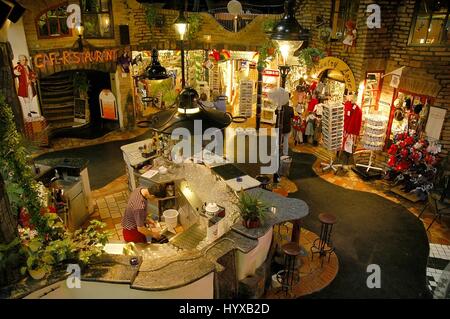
[312, 104]
[352, 118]
[318, 109]
[299, 128]
[310, 124]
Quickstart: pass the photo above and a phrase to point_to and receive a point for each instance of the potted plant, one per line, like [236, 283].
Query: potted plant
[310, 56]
[251, 209]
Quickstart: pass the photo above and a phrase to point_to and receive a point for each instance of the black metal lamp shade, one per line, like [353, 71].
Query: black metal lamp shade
[288, 28]
[156, 71]
[187, 114]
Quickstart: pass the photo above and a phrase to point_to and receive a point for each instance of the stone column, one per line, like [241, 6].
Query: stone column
[7, 84]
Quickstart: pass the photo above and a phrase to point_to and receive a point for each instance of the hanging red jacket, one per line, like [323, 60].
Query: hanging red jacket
[352, 118]
[312, 104]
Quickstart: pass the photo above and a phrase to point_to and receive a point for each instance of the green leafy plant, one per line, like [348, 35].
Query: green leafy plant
[164, 89]
[151, 17]
[269, 25]
[81, 83]
[309, 56]
[251, 208]
[48, 243]
[81, 246]
[195, 21]
[267, 51]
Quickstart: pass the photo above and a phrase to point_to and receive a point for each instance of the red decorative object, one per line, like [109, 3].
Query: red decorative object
[408, 151]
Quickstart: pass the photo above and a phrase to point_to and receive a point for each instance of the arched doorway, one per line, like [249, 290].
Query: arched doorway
[70, 103]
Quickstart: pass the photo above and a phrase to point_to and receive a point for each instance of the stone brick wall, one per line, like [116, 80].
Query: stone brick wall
[211, 33]
[34, 8]
[387, 49]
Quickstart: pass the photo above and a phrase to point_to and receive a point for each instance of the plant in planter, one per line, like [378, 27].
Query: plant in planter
[81, 84]
[310, 56]
[251, 209]
[267, 51]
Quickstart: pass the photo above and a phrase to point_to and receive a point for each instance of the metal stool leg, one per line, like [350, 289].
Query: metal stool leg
[423, 210]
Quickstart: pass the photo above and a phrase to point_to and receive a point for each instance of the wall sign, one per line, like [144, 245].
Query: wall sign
[68, 57]
[332, 63]
[435, 122]
[108, 105]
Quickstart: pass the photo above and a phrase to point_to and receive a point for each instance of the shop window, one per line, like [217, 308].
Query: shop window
[431, 25]
[53, 22]
[409, 112]
[341, 12]
[97, 19]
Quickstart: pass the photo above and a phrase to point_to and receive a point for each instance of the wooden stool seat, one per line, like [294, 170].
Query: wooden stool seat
[326, 218]
[291, 249]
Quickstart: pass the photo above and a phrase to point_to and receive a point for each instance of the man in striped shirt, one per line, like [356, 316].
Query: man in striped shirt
[134, 219]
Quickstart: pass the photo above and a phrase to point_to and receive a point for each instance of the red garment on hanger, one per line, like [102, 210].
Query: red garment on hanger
[313, 86]
[352, 118]
[312, 104]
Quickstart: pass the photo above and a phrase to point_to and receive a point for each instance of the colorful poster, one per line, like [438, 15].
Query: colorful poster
[108, 105]
[26, 88]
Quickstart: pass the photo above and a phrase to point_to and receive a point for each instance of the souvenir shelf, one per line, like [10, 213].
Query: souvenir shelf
[373, 138]
[214, 79]
[332, 131]
[270, 82]
[245, 98]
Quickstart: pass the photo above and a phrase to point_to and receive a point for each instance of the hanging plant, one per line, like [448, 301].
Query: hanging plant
[267, 52]
[195, 21]
[269, 25]
[310, 56]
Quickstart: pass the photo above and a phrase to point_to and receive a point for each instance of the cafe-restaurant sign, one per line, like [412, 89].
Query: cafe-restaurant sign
[332, 63]
[68, 57]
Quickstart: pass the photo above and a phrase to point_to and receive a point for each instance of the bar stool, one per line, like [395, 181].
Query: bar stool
[323, 245]
[289, 276]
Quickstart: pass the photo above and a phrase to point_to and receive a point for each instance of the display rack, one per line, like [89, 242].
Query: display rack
[373, 138]
[332, 131]
[245, 98]
[214, 79]
[271, 80]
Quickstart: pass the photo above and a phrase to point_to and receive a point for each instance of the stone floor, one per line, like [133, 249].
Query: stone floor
[314, 276]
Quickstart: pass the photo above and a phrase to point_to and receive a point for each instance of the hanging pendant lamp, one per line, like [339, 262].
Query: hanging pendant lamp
[188, 114]
[156, 71]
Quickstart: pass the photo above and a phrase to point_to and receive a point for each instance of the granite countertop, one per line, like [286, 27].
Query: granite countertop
[287, 209]
[29, 285]
[78, 163]
[112, 268]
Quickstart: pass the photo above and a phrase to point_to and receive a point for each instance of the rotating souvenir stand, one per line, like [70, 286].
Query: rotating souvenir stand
[245, 98]
[373, 139]
[332, 131]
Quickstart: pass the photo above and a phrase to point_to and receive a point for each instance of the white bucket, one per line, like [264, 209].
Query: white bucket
[171, 218]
